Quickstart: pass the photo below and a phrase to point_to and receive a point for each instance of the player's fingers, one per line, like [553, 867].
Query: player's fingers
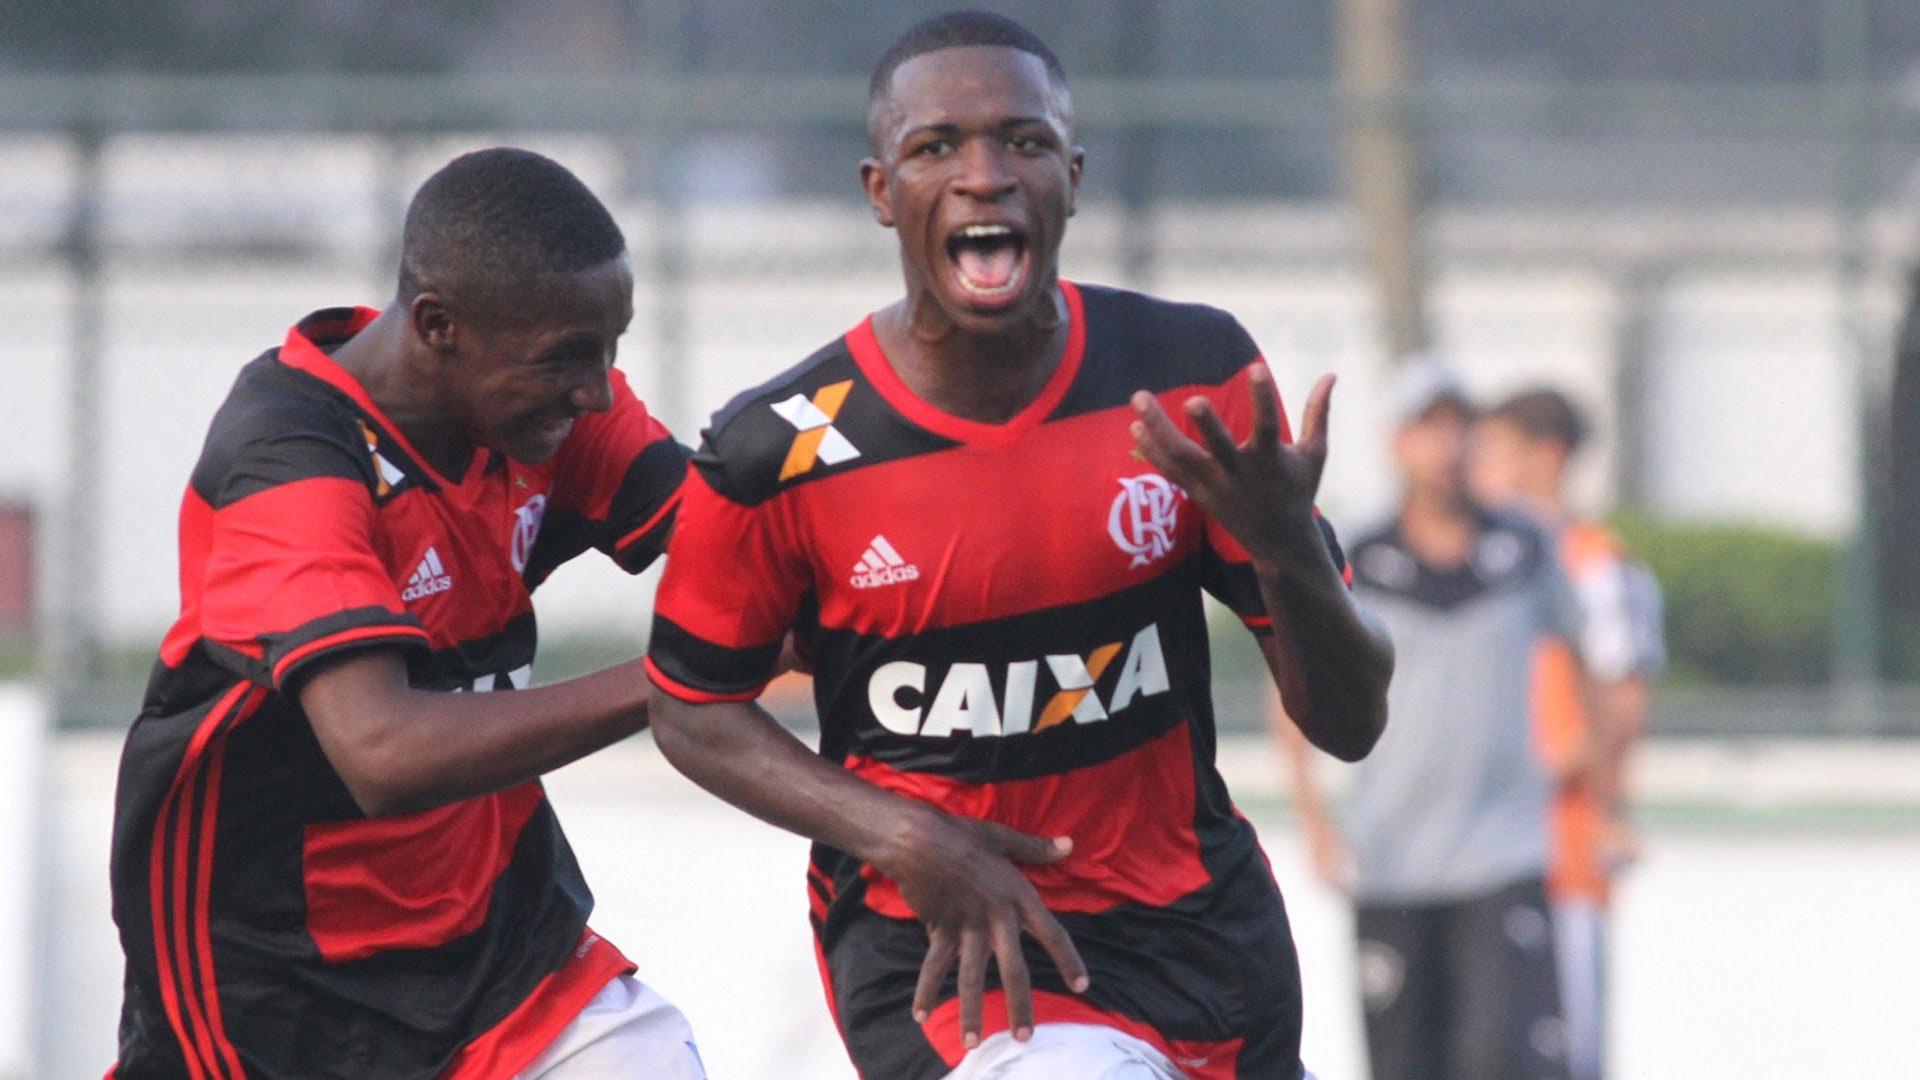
[1266, 405]
[1054, 939]
[1014, 978]
[1184, 462]
[1313, 422]
[941, 946]
[973, 983]
[1160, 439]
[1025, 847]
[1214, 433]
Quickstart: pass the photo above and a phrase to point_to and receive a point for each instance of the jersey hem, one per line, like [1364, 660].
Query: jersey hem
[554, 1004]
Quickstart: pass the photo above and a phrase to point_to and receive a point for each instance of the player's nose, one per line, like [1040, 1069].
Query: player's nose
[983, 171]
[594, 394]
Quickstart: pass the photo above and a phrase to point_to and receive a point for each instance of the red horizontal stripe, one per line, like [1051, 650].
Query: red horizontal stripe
[1130, 819]
[415, 881]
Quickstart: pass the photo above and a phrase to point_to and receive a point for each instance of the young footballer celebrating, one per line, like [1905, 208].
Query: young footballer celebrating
[326, 863]
[988, 514]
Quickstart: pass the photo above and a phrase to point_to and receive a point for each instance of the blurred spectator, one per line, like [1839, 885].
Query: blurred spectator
[1444, 840]
[1520, 455]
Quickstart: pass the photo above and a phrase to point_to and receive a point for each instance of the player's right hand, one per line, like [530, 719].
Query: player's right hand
[960, 879]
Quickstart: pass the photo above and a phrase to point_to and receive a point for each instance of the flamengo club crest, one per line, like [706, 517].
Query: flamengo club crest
[1144, 517]
[526, 529]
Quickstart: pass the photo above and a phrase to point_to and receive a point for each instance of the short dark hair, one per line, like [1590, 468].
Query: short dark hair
[492, 219]
[1544, 413]
[954, 30]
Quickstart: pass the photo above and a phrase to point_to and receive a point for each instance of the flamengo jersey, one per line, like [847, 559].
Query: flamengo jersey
[1005, 621]
[271, 929]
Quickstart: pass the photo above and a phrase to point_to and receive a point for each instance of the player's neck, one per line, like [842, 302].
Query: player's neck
[1439, 529]
[379, 358]
[987, 378]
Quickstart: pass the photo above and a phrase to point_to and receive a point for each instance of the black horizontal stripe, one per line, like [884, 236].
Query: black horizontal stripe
[699, 664]
[1138, 342]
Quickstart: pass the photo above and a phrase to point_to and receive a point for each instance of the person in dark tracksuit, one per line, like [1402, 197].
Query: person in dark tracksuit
[1443, 839]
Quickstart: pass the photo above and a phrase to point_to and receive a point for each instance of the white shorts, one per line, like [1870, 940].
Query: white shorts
[627, 1032]
[1068, 1052]
[1580, 951]
[1056, 1051]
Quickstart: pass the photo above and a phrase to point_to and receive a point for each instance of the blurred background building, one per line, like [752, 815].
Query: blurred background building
[1698, 216]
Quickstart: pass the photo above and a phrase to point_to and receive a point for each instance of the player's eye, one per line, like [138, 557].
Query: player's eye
[1023, 144]
[934, 148]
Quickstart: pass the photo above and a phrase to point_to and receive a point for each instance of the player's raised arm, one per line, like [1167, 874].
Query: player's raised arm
[1330, 660]
[956, 873]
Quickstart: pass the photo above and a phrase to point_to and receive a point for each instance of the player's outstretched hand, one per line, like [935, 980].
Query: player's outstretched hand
[1260, 490]
[975, 903]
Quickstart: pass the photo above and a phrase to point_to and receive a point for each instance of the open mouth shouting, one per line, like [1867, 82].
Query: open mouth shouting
[990, 262]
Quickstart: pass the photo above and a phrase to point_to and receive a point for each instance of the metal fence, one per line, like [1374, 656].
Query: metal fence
[1716, 272]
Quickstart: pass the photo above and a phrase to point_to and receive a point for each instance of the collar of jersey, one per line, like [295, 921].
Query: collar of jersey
[873, 363]
[302, 352]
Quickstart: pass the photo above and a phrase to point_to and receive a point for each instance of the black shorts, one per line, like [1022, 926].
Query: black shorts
[1464, 990]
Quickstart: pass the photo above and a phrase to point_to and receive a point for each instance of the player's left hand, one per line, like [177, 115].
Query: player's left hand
[1260, 490]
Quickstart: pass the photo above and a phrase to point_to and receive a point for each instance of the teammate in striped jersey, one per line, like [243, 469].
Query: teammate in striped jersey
[325, 862]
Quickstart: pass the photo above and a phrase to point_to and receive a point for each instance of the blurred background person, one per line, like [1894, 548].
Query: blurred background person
[1443, 843]
[1519, 459]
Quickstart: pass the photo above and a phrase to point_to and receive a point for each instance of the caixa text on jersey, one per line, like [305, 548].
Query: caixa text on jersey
[964, 700]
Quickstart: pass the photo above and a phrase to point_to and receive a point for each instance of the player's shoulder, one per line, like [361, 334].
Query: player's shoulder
[278, 426]
[1163, 344]
[761, 439]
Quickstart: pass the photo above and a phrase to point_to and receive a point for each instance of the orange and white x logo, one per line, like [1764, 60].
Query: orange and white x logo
[818, 439]
[1076, 699]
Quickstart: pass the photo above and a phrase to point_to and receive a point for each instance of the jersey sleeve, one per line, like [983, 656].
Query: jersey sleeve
[1229, 576]
[732, 589]
[292, 574]
[1622, 636]
[616, 487]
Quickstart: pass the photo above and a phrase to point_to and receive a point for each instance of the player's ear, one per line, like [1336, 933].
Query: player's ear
[1076, 164]
[432, 322]
[873, 177]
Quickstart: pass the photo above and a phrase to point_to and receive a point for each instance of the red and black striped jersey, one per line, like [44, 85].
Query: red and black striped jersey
[1004, 620]
[271, 929]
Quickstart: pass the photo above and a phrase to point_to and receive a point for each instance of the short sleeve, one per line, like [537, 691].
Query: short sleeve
[732, 589]
[1622, 636]
[1229, 572]
[616, 487]
[291, 573]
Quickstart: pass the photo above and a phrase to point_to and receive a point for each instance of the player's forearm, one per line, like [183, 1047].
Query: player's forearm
[1330, 659]
[738, 752]
[401, 750]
